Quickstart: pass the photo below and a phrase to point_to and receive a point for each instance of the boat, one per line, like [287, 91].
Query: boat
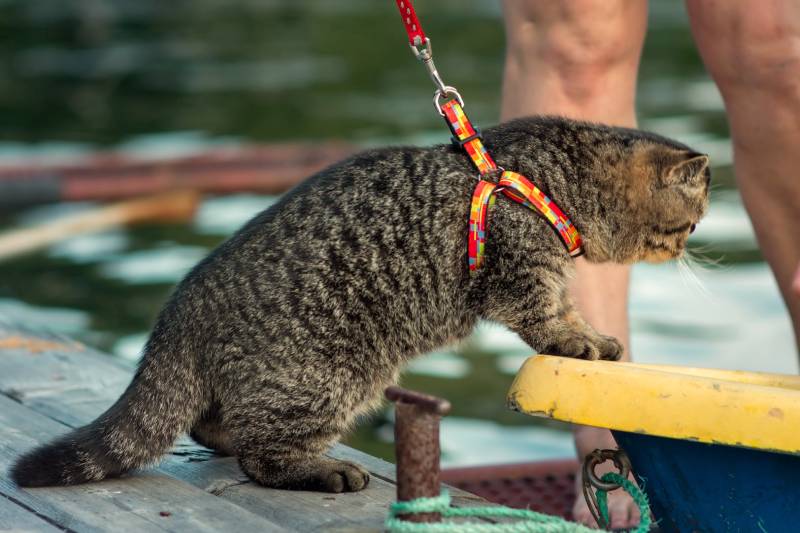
[715, 450]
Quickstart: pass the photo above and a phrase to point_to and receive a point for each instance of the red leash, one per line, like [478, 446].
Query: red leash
[450, 105]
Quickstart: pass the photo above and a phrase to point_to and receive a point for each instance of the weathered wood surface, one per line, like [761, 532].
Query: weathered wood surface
[49, 384]
[13, 517]
[149, 501]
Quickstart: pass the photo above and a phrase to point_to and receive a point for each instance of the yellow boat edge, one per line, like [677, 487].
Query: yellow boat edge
[750, 409]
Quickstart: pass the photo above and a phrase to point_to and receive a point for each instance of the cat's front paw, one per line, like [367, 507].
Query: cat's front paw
[590, 347]
[610, 348]
[578, 345]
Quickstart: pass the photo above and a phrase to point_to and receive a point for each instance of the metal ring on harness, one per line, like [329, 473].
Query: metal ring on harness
[442, 93]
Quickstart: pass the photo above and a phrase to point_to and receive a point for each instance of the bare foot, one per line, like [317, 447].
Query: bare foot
[622, 510]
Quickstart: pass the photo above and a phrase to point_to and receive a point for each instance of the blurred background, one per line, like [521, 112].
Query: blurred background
[148, 81]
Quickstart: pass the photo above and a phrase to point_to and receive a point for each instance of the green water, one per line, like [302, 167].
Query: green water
[161, 78]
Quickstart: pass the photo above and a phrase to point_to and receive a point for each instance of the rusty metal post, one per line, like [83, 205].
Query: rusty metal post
[416, 442]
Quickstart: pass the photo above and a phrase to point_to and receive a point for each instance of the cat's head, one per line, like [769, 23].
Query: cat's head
[633, 196]
[654, 191]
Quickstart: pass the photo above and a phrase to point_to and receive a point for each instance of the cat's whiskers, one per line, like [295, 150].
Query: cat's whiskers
[699, 257]
[687, 266]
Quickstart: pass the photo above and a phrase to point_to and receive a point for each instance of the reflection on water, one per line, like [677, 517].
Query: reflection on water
[163, 79]
[91, 248]
[60, 320]
[166, 264]
[226, 214]
[739, 323]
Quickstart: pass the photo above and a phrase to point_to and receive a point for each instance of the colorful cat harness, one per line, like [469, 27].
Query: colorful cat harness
[449, 104]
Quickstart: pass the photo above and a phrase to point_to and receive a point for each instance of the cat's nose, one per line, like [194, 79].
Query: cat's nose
[691, 229]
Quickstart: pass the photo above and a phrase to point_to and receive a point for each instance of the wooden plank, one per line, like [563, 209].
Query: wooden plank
[300, 510]
[14, 517]
[74, 398]
[144, 502]
[34, 364]
[376, 466]
[303, 510]
[60, 378]
[386, 471]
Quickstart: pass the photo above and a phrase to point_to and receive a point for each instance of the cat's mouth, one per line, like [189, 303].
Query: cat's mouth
[667, 243]
[661, 256]
[660, 250]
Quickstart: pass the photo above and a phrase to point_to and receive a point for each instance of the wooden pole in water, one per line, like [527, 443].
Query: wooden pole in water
[175, 206]
[269, 169]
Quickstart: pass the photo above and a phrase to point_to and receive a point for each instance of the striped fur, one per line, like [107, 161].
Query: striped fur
[272, 346]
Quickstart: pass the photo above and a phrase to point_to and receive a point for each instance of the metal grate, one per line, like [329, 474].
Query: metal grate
[546, 486]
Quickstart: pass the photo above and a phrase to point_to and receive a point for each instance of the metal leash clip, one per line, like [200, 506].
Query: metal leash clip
[425, 54]
[591, 481]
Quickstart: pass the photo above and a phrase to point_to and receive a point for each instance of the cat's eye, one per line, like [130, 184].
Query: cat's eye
[691, 229]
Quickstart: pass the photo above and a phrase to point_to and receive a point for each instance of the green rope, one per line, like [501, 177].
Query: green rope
[527, 521]
[638, 495]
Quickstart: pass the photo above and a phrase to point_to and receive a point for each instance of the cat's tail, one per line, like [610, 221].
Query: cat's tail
[162, 402]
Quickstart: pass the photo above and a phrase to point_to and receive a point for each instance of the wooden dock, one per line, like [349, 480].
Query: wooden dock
[49, 384]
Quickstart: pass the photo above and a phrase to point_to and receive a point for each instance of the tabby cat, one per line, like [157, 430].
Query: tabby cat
[272, 346]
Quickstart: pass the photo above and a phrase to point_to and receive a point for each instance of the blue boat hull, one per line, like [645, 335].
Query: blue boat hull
[715, 488]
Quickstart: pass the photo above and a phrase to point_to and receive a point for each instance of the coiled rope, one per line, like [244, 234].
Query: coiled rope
[527, 521]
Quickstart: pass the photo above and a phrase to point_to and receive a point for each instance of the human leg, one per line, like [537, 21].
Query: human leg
[580, 59]
[752, 50]
[796, 283]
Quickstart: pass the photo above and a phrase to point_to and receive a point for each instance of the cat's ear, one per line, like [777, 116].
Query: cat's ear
[684, 167]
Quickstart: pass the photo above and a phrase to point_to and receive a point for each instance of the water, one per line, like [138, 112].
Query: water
[161, 79]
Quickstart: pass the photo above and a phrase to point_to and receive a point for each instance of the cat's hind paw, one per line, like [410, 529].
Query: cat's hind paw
[314, 473]
[343, 476]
